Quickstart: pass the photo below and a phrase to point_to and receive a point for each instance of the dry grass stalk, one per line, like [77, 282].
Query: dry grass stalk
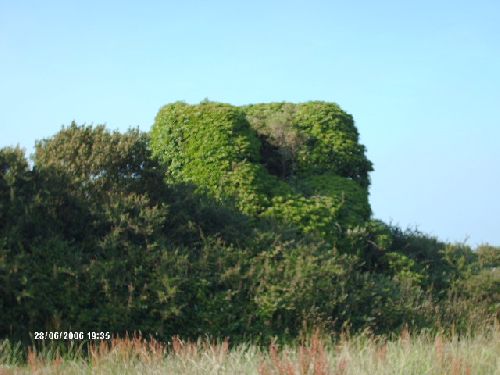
[305, 360]
[381, 354]
[184, 349]
[35, 362]
[456, 366]
[127, 349]
[342, 367]
[439, 349]
[218, 351]
[405, 338]
[312, 360]
[279, 363]
[56, 363]
[318, 355]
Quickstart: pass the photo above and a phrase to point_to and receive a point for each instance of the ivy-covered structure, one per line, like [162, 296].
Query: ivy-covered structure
[299, 163]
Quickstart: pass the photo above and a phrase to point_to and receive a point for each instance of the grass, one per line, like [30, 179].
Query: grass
[361, 354]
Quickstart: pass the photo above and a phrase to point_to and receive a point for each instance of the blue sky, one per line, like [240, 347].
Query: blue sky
[422, 80]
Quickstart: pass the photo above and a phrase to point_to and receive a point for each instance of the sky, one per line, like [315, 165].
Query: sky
[421, 78]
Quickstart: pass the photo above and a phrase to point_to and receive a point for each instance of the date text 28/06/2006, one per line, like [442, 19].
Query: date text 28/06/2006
[77, 335]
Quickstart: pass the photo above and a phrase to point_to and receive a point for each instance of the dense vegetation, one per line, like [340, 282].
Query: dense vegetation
[246, 222]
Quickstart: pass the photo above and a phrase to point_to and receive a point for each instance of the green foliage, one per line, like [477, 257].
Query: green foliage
[301, 284]
[354, 198]
[428, 254]
[484, 287]
[479, 279]
[211, 146]
[403, 267]
[274, 169]
[243, 222]
[317, 215]
[488, 256]
[38, 255]
[97, 161]
[315, 137]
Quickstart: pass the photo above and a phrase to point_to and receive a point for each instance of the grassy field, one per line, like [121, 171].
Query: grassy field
[362, 354]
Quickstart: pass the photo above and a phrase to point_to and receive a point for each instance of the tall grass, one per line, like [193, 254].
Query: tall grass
[424, 353]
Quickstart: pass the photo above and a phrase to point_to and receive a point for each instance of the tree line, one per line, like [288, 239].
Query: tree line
[248, 222]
